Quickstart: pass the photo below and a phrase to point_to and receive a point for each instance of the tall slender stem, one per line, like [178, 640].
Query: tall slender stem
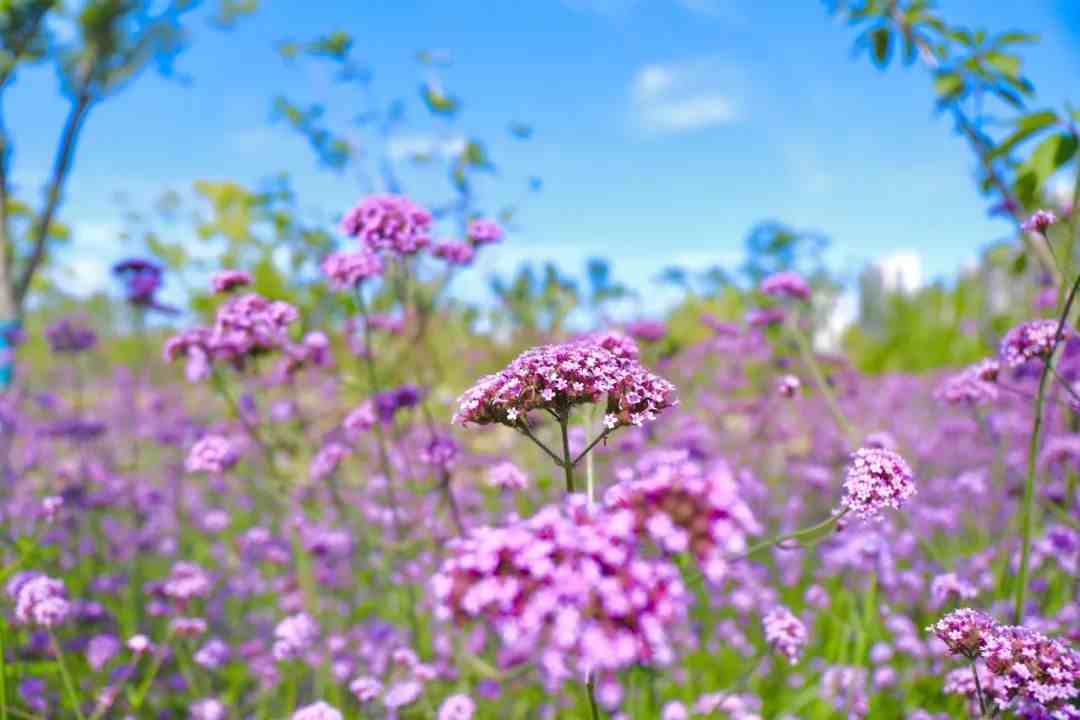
[590, 690]
[567, 462]
[978, 689]
[3, 676]
[807, 354]
[1027, 519]
[69, 685]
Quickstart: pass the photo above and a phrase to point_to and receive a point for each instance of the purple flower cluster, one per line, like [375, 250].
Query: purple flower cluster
[649, 331]
[484, 232]
[508, 476]
[964, 631]
[212, 454]
[786, 285]
[558, 377]
[245, 326]
[785, 632]
[1039, 222]
[876, 479]
[683, 508]
[69, 336]
[294, 635]
[454, 252]
[226, 281]
[974, 385]
[39, 599]
[569, 586]
[142, 280]
[389, 222]
[347, 269]
[1031, 340]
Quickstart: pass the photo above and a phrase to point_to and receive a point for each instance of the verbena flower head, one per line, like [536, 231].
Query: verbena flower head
[141, 278]
[508, 476]
[559, 377]
[69, 336]
[294, 635]
[649, 331]
[454, 252]
[966, 388]
[1030, 340]
[765, 317]
[964, 631]
[208, 709]
[1039, 222]
[1034, 670]
[457, 707]
[347, 269]
[389, 222]
[683, 508]
[228, 280]
[876, 479]
[441, 452]
[786, 284]
[568, 589]
[327, 460]
[187, 581]
[212, 454]
[788, 386]
[40, 600]
[785, 632]
[318, 711]
[484, 232]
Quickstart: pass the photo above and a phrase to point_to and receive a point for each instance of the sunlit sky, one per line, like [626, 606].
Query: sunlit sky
[663, 129]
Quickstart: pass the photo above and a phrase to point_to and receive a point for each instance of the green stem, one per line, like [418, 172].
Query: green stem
[69, 685]
[567, 463]
[139, 697]
[806, 352]
[796, 535]
[3, 675]
[590, 690]
[978, 689]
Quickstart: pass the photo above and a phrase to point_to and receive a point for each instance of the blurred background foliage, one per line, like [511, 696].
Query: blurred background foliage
[1020, 150]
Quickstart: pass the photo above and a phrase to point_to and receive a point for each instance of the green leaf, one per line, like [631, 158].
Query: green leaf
[1006, 64]
[1050, 155]
[882, 46]
[1027, 126]
[948, 85]
[437, 101]
[1015, 38]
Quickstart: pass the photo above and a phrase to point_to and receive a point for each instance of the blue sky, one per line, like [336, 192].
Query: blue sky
[664, 129]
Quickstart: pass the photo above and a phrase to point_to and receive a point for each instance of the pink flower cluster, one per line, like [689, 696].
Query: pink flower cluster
[454, 252]
[508, 476]
[1030, 340]
[683, 508]
[212, 454]
[389, 222]
[245, 326]
[39, 599]
[1039, 221]
[294, 635]
[785, 632]
[876, 479]
[968, 387]
[484, 232]
[786, 284]
[228, 280]
[569, 586]
[347, 269]
[1029, 672]
[558, 377]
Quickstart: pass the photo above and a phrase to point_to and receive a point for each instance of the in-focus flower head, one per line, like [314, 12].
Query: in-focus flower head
[1039, 673]
[876, 479]
[347, 269]
[484, 232]
[964, 631]
[1039, 222]
[559, 377]
[785, 632]
[226, 281]
[389, 222]
[786, 284]
[1030, 340]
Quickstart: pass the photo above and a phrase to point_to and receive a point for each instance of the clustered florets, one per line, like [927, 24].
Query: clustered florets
[1039, 221]
[558, 377]
[974, 385]
[876, 479]
[226, 281]
[68, 336]
[389, 222]
[786, 284]
[683, 508]
[484, 232]
[348, 268]
[785, 632]
[1030, 340]
[454, 252]
[245, 326]
[212, 454]
[39, 599]
[569, 586]
[1034, 674]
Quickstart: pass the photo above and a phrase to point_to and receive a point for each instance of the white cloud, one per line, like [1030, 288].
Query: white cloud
[902, 270]
[404, 147]
[684, 96]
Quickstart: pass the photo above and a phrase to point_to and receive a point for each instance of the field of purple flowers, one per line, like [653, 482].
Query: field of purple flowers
[377, 521]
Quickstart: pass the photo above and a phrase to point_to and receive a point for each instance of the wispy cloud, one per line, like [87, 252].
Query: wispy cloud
[407, 146]
[684, 96]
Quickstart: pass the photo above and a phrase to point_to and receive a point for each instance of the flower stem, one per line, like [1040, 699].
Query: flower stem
[796, 535]
[1027, 519]
[978, 689]
[567, 463]
[806, 352]
[590, 687]
[69, 686]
